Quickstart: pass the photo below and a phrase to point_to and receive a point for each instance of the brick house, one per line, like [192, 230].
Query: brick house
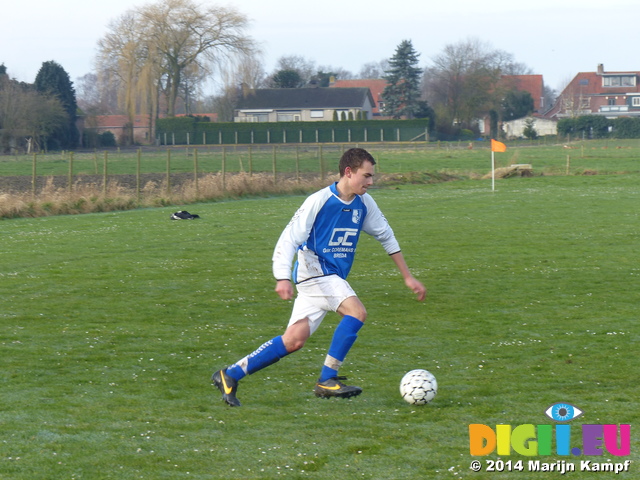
[611, 94]
[375, 86]
[534, 84]
[119, 125]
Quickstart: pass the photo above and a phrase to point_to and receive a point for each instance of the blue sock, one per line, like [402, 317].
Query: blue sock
[268, 353]
[343, 338]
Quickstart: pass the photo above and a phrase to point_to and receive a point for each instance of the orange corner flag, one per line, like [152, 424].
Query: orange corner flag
[498, 146]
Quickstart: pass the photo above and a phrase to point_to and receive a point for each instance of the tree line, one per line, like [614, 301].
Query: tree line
[158, 59]
[38, 116]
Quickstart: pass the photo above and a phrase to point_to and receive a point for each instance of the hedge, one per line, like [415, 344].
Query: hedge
[596, 126]
[192, 131]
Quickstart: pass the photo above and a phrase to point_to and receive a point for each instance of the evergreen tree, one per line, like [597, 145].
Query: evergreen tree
[287, 79]
[516, 104]
[53, 80]
[530, 131]
[402, 93]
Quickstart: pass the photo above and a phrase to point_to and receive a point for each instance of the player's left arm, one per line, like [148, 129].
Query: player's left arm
[376, 224]
[409, 280]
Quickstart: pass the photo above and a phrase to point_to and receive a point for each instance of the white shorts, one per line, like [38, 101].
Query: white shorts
[317, 296]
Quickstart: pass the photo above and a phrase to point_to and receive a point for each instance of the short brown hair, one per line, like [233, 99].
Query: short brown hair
[354, 158]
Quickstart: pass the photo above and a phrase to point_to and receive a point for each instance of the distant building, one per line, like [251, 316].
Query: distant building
[302, 104]
[542, 126]
[121, 127]
[534, 85]
[375, 86]
[611, 94]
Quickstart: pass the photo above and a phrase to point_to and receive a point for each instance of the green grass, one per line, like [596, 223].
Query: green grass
[604, 156]
[111, 325]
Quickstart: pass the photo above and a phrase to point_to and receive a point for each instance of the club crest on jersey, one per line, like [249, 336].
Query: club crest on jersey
[356, 216]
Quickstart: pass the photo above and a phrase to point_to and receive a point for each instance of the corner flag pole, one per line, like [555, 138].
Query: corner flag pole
[495, 147]
[493, 171]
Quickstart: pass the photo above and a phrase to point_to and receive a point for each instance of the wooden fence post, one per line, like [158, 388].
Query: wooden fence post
[274, 166]
[168, 171]
[33, 174]
[138, 157]
[298, 162]
[70, 178]
[104, 173]
[224, 169]
[195, 170]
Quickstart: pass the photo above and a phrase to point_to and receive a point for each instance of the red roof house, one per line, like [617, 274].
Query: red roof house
[612, 94]
[376, 86]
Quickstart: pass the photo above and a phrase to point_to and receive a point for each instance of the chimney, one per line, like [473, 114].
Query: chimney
[600, 69]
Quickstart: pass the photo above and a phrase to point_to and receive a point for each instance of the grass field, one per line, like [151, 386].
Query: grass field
[87, 182]
[112, 323]
[603, 156]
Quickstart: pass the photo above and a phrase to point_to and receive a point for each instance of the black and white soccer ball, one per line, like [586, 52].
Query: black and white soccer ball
[418, 387]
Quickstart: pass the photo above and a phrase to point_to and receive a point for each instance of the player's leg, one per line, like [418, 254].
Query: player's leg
[269, 353]
[296, 335]
[353, 316]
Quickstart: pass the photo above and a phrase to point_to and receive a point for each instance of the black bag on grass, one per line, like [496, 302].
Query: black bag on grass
[183, 215]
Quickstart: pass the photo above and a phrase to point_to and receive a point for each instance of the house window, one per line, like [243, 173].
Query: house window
[288, 116]
[317, 113]
[619, 81]
[635, 101]
[611, 101]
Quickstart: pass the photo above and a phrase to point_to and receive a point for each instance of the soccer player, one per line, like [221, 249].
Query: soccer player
[323, 233]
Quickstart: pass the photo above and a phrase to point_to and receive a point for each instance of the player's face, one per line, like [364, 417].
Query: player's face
[361, 179]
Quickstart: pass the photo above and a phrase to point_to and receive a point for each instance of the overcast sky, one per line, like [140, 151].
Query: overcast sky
[555, 38]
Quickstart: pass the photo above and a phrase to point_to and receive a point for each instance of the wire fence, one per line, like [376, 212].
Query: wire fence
[171, 166]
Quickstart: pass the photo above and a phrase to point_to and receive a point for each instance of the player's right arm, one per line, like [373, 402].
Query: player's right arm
[284, 288]
[293, 236]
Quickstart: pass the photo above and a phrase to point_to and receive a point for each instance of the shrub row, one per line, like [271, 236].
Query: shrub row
[596, 126]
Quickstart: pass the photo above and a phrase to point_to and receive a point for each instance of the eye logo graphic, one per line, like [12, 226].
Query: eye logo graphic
[563, 412]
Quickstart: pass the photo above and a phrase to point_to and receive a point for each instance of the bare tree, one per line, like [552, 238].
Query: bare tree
[168, 48]
[463, 83]
[238, 76]
[373, 70]
[122, 58]
[187, 36]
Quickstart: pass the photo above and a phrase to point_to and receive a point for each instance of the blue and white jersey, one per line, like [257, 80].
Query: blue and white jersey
[325, 231]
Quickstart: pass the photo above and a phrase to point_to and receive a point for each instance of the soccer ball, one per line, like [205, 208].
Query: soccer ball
[418, 387]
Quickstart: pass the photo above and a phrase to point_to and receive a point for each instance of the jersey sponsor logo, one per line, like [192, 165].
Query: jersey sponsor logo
[342, 237]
